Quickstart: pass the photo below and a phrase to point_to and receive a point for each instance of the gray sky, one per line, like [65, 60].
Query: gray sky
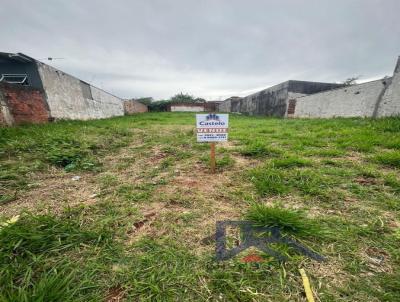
[211, 49]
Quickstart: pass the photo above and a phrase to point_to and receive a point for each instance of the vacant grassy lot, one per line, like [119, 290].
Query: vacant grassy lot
[124, 209]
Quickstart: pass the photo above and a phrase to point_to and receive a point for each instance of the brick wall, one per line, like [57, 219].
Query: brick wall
[23, 104]
[132, 106]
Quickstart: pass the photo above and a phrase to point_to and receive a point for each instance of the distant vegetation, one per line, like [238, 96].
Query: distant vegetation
[162, 105]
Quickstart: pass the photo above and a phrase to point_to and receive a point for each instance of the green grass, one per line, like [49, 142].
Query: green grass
[292, 222]
[389, 158]
[138, 222]
[33, 268]
[259, 149]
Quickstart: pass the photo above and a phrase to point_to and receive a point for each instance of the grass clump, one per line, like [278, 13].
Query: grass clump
[162, 272]
[222, 162]
[259, 149]
[290, 162]
[34, 235]
[388, 158]
[225, 161]
[269, 181]
[52, 285]
[31, 267]
[292, 222]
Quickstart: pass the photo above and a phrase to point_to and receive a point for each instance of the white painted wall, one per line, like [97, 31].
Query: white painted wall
[66, 99]
[187, 109]
[351, 101]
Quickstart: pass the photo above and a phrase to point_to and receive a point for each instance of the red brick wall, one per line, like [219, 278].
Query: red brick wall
[132, 106]
[26, 105]
[291, 108]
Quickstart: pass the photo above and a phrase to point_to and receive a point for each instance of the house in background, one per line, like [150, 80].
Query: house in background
[34, 92]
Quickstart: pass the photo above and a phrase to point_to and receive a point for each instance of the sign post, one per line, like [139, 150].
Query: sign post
[212, 157]
[212, 128]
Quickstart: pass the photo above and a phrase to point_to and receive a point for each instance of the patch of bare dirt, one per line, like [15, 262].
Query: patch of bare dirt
[115, 294]
[377, 260]
[52, 192]
[366, 181]
[328, 271]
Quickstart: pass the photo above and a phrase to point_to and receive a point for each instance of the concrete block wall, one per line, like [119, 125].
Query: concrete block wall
[22, 104]
[70, 98]
[372, 99]
[351, 101]
[132, 107]
[390, 104]
[270, 102]
[225, 106]
[186, 107]
[274, 100]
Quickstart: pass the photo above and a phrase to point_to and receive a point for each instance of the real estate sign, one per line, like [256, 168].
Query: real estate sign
[212, 127]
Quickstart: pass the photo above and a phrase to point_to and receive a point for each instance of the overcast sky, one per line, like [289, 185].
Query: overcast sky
[212, 49]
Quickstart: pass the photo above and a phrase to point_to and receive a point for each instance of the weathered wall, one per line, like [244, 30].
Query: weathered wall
[358, 100]
[390, 104]
[225, 106]
[273, 101]
[211, 106]
[70, 98]
[373, 99]
[107, 105]
[22, 104]
[270, 102]
[5, 115]
[186, 107]
[132, 107]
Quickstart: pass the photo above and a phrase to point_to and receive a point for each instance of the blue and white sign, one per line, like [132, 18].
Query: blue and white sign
[212, 127]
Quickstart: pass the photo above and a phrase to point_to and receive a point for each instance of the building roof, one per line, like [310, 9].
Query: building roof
[18, 57]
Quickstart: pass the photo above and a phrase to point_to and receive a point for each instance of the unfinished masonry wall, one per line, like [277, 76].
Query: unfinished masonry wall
[22, 104]
[71, 98]
[132, 107]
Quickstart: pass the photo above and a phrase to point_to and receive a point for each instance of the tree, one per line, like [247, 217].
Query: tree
[182, 98]
[351, 81]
